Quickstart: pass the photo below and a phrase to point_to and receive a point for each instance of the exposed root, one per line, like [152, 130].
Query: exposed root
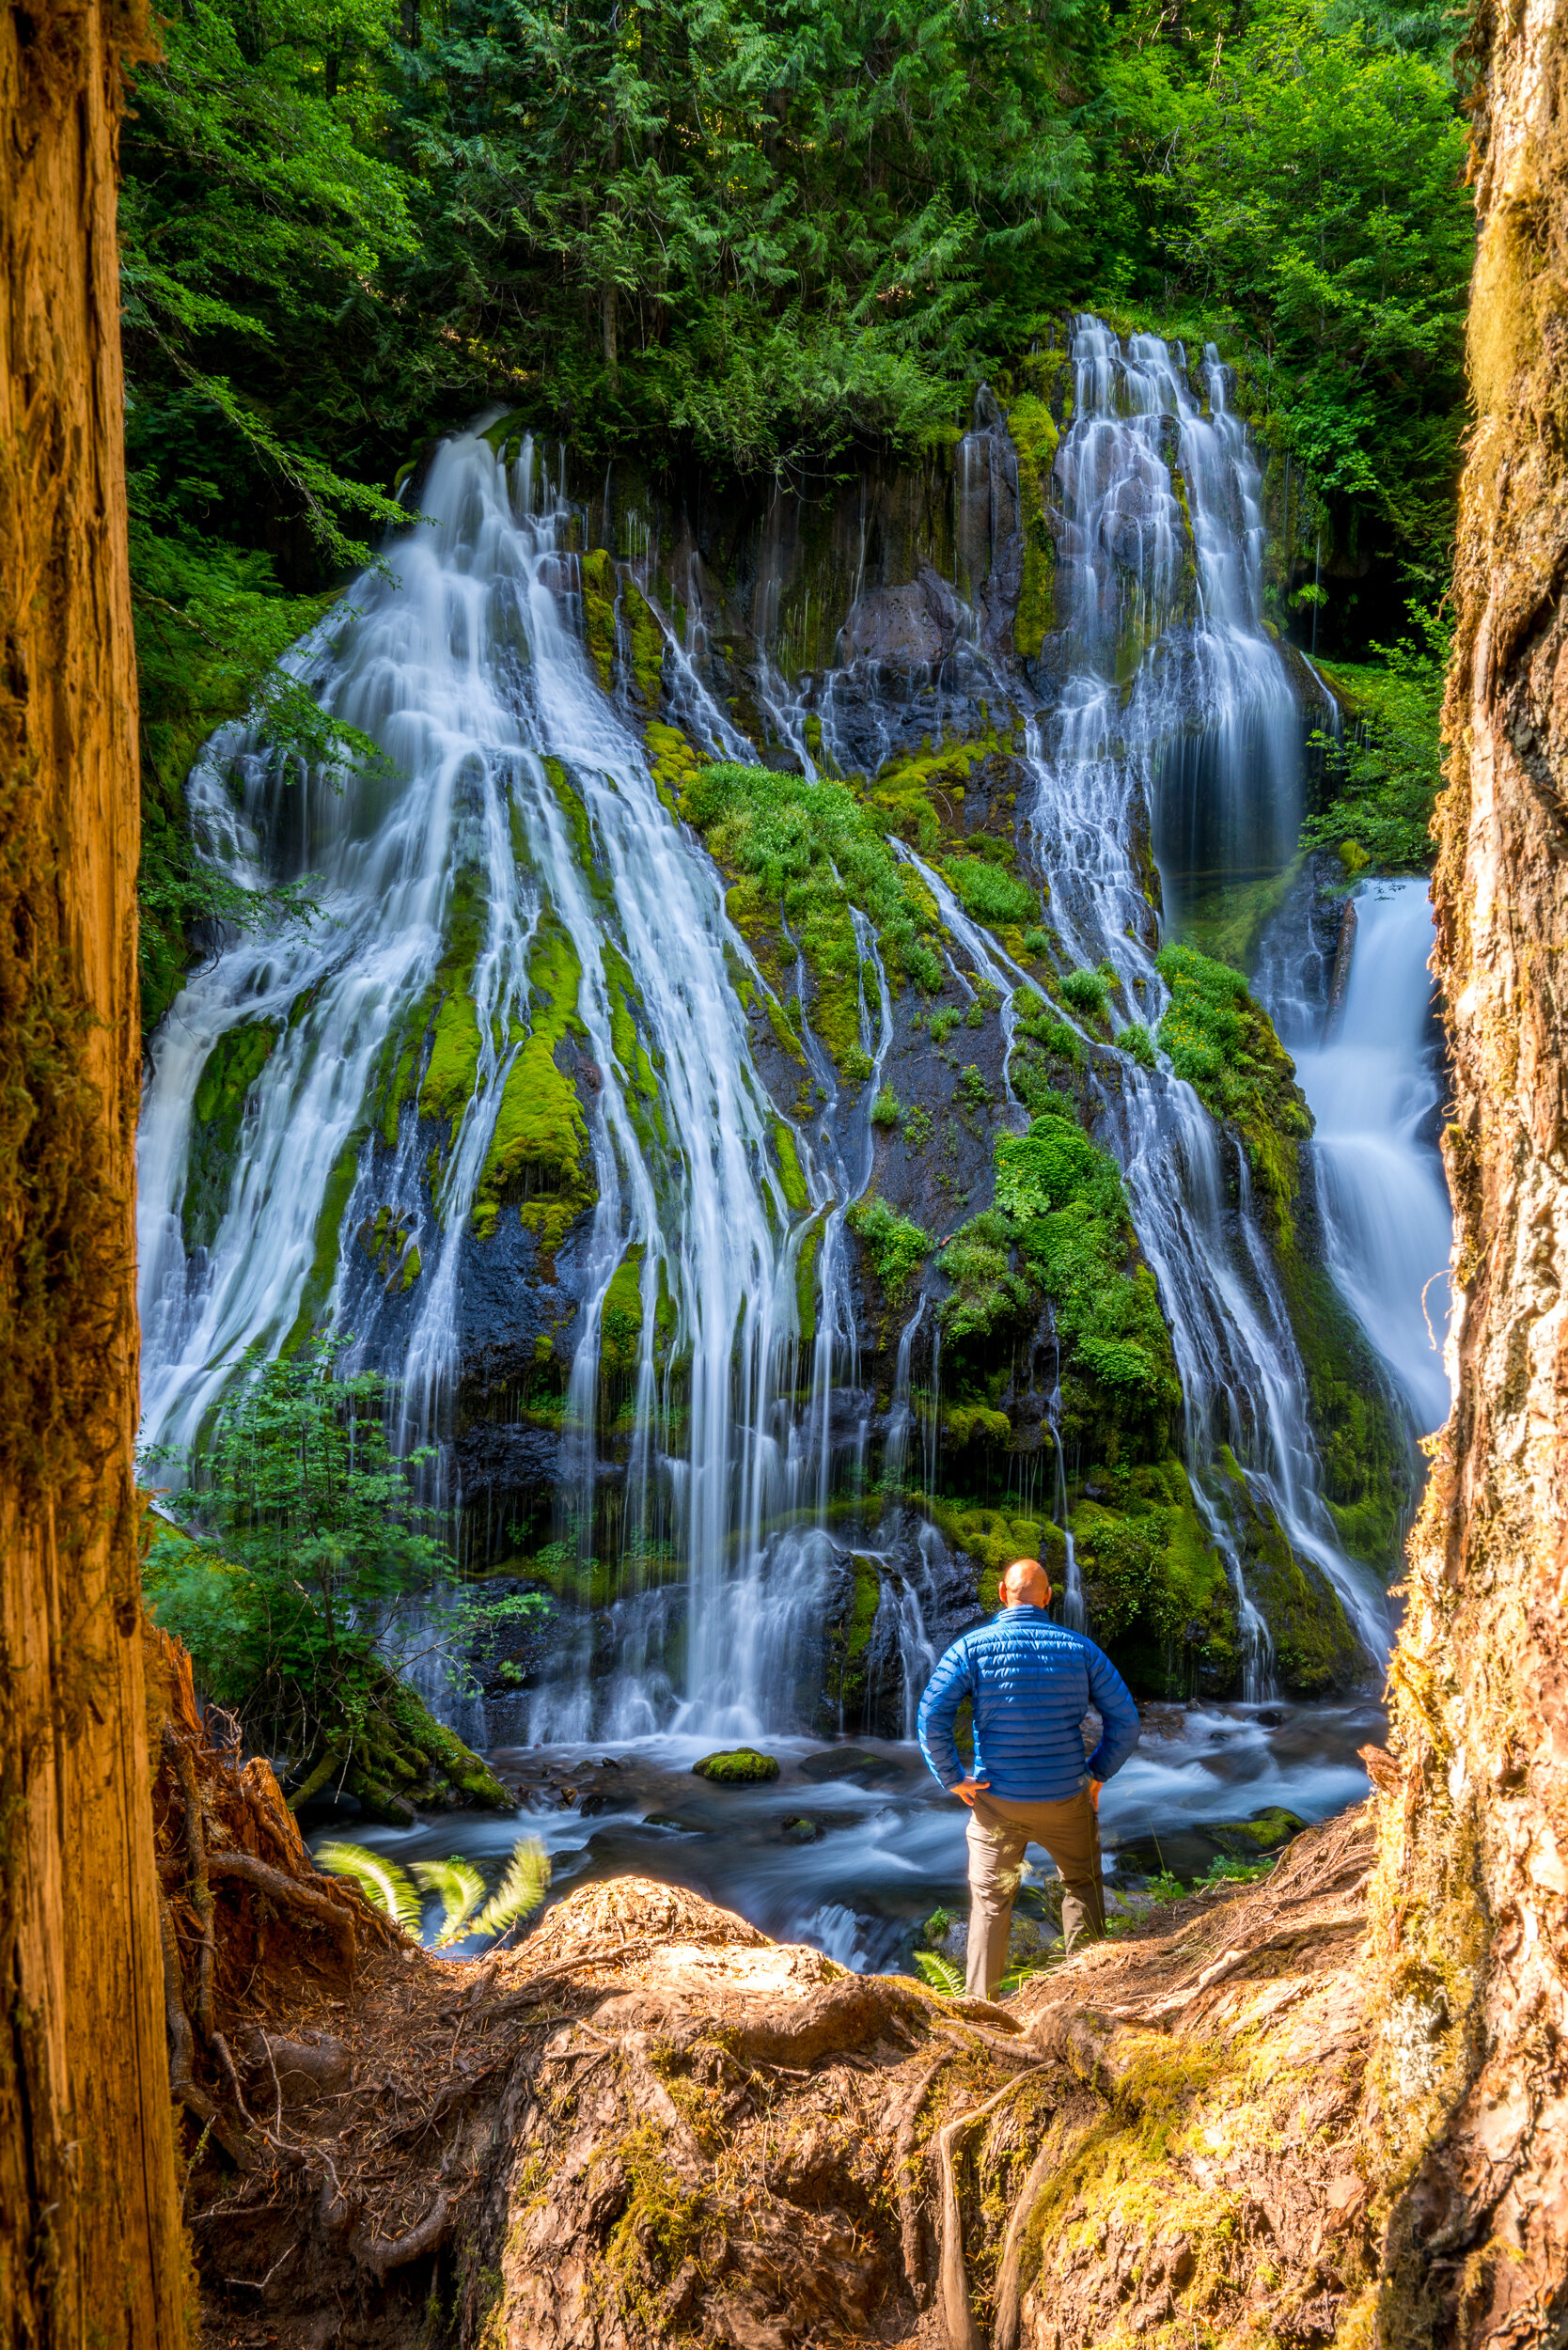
[648, 2124]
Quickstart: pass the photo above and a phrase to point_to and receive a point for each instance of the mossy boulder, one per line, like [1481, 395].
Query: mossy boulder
[217, 1113]
[1265, 1831]
[742, 1766]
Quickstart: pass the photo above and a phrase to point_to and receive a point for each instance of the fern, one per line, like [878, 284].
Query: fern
[462, 1889]
[384, 1885]
[940, 1973]
[520, 1891]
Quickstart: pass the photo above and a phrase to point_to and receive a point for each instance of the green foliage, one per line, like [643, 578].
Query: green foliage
[1298, 176]
[1064, 1199]
[943, 1020]
[895, 1245]
[521, 1891]
[460, 1889]
[1222, 1870]
[887, 1110]
[1224, 1045]
[304, 1525]
[809, 852]
[383, 1884]
[389, 1889]
[1383, 773]
[989, 892]
[766, 234]
[1085, 991]
[1136, 1042]
[939, 1973]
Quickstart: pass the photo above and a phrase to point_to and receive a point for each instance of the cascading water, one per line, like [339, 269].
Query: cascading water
[1371, 1071]
[1161, 599]
[498, 744]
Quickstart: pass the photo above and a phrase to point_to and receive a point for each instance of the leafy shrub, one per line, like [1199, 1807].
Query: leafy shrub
[973, 1090]
[1085, 991]
[894, 1244]
[990, 892]
[1138, 1043]
[943, 1020]
[1036, 943]
[887, 1110]
[916, 1129]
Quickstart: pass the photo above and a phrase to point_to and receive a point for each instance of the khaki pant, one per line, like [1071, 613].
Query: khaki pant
[998, 1831]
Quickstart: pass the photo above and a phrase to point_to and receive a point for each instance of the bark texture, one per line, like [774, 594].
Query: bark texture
[1471, 2020]
[90, 2245]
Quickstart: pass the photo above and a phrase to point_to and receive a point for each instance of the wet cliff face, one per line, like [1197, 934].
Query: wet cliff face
[745, 1095]
[1475, 1882]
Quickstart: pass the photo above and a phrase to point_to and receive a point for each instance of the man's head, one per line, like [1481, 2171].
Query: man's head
[1025, 1584]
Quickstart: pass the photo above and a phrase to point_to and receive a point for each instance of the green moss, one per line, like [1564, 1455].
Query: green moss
[1158, 1596]
[1315, 1652]
[806, 1284]
[598, 594]
[992, 1540]
[895, 1247]
[621, 1318]
[1367, 1467]
[847, 1638]
[1035, 437]
[985, 888]
[538, 1150]
[796, 1197]
[805, 853]
[1059, 1231]
[1223, 1044]
[329, 1234]
[647, 642]
[975, 1423]
[741, 1767]
[453, 1067]
[229, 1073]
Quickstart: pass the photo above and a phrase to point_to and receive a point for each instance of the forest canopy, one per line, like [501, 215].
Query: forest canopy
[762, 233]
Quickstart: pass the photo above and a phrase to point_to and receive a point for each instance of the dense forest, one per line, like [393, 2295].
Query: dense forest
[764, 238]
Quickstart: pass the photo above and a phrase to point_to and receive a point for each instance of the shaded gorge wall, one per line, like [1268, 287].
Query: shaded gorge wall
[747, 1086]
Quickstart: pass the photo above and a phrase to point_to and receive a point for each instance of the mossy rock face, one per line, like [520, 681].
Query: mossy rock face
[231, 1069]
[742, 1766]
[1158, 1597]
[1317, 1654]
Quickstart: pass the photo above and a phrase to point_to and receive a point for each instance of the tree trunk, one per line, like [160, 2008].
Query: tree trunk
[1472, 1895]
[90, 2247]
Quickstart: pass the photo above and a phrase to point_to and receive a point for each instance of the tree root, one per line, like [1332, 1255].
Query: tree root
[957, 2314]
[332, 1911]
[911, 2237]
[381, 2259]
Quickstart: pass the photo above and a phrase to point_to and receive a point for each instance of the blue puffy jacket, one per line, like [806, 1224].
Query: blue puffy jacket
[1031, 1682]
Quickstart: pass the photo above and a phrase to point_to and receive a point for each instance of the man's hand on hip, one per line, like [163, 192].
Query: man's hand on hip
[967, 1789]
[1094, 1787]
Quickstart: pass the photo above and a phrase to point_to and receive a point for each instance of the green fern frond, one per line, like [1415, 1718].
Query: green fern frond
[940, 1973]
[520, 1891]
[384, 1885]
[462, 1889]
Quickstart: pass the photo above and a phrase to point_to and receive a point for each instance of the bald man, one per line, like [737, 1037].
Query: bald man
[1029, 1682]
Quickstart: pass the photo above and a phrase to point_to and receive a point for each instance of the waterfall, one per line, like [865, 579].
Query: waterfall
[510, 902]
[1375, 1086]
[514, 789]
[1151, 647]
